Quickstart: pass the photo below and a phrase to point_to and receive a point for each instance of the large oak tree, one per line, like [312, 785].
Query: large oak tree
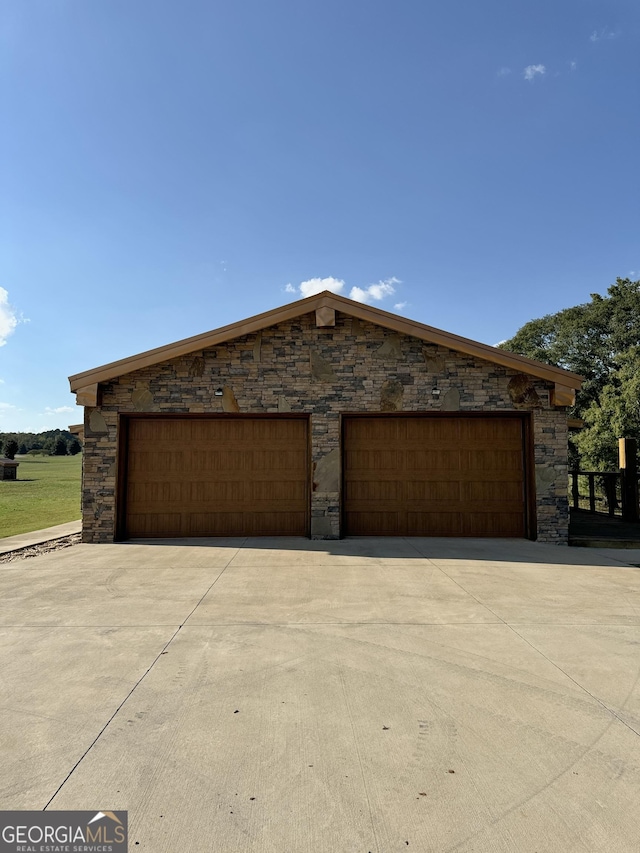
[600, 340]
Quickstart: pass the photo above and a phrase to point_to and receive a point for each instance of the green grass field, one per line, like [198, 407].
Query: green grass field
[47, 492]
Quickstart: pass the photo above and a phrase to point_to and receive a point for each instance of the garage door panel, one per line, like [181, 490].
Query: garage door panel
[486, 429]
[143, 525]
[371, 459]
[193, 507]
[214, 523]
[143, 461]
[274, 460]
[432, 490]
[163, 493]
[452, 476]
[433, 459]
[494, 459]
[434, 524]
[245, 524]
[147, 430]
[383, 431]
[216, 476]
[275, 524]
[499, 490]
[385, 523]
[222, 476]
[423, 430]
[373, 490]
[486, 524]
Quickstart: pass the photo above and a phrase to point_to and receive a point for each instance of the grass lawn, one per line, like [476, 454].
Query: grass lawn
[47, 492]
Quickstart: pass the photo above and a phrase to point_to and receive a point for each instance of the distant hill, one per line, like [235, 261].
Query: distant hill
[49, 442]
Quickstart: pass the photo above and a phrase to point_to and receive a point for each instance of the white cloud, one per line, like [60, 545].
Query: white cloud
[504, 72]
[5, 406]
[531, 70]
[59, 411]
[400, 305]
[376, 292]
[8, 319]
[605, 33]
[572, 65]
[372, 292]
[317, 285]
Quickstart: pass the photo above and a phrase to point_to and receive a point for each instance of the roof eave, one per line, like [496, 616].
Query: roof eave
[364, 312]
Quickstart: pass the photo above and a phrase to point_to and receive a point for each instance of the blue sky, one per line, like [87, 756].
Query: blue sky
[170, 167]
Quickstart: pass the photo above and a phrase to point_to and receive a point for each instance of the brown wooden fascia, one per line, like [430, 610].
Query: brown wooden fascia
[562, 378]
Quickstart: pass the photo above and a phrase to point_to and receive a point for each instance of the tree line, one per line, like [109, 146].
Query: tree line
[600, 340]
[53, 442]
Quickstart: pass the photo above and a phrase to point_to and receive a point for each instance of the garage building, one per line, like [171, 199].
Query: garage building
[324, 418]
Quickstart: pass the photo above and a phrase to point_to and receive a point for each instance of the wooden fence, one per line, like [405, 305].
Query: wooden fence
[604, 491]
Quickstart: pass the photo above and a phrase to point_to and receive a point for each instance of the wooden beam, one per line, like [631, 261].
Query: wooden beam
[78, 431]
[562, 395]
[87, 396]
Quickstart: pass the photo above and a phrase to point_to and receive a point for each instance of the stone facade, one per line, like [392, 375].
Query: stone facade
[353, 366]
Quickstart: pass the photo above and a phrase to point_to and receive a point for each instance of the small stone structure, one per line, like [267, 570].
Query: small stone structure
[8, 469]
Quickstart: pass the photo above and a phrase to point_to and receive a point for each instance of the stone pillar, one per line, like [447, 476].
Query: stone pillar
[8, 469]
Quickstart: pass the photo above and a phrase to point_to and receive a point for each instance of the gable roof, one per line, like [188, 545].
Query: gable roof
[326, 299]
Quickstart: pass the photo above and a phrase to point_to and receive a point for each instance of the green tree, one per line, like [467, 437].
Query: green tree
[598, 340]
[615, 414]
[74, 447]
[11, 448]
[60, 447]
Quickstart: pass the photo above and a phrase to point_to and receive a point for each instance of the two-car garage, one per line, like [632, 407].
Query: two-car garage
[325, 417]
[431, 474]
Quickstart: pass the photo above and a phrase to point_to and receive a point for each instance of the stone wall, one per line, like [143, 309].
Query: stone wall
[297, 367]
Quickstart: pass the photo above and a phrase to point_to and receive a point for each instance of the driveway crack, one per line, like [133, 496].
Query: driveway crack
[581, 686]
[137, 684]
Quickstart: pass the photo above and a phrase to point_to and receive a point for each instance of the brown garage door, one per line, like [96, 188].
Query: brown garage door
[216, 477]
[434, 476]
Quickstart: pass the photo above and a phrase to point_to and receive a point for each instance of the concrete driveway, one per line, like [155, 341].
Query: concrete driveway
[363, 695]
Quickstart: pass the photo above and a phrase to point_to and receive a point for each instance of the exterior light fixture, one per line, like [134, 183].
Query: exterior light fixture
[218, 392]
[435, 392]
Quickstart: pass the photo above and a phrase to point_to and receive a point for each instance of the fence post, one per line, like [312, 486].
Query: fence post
[610, 492]
[575, 490]
[592, 493]
[628, 456]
